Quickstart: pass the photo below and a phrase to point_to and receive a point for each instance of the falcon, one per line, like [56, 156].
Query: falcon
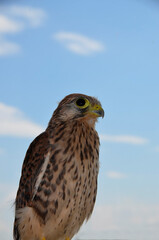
[58, 184]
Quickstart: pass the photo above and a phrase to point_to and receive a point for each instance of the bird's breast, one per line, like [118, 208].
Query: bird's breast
[67, 192]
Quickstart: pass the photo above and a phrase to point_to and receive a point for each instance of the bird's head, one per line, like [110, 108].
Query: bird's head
[78, 106]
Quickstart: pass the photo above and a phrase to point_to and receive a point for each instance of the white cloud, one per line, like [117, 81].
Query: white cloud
[2, 151]
[8, 25]
[15, 19]
[3, 226]
[8, 48]
[115, 175]
[13, 123]
[7, 197]
[123, 220]
[123, 139]
[78, 43]
[157, 149]
[35, 16]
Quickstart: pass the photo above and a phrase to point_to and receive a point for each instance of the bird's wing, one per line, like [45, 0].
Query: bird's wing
[33, 162]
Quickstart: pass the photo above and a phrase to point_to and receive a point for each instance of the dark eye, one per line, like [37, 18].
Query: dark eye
[80, 102]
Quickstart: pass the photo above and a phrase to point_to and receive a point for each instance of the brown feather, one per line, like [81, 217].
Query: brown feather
[32, 163]
[58, 186]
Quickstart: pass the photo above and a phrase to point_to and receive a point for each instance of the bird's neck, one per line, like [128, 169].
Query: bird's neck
[71, 125]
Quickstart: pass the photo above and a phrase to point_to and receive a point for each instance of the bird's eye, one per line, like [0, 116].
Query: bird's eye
[82, 103]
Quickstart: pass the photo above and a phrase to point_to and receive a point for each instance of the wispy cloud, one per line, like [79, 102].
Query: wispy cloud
[13, 123]
[126, 220]
[157, 149]
[78, 43]
[14, 19]
[35, 16]
[8, 48]
[7, 197]
[2, 151]
[123, 139]
[8, 25]
[115, 175]
[3, 227]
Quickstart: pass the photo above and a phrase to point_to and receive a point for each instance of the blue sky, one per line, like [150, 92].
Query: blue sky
[107, 49]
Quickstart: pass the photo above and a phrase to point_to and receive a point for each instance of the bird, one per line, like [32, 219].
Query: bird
[58, 185]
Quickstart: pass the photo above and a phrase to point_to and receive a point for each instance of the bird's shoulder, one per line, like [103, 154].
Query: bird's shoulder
[36, 150]
[32, 164]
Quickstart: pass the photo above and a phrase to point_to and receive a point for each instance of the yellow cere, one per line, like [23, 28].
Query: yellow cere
[97, 110]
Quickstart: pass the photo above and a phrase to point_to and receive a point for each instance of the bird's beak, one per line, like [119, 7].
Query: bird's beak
[97, 110]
